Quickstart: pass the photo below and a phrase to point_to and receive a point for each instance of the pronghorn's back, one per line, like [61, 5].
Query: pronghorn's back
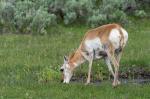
[113, 34]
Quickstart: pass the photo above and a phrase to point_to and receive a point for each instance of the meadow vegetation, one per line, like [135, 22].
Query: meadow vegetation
[36, 34]
[30, 65]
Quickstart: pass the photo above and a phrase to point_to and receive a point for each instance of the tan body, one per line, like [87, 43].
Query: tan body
[105, 42]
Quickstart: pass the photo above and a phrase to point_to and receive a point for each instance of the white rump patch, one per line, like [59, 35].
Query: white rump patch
[114, 38]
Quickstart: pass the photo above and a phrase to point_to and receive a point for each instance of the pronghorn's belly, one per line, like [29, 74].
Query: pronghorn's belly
[95, 46]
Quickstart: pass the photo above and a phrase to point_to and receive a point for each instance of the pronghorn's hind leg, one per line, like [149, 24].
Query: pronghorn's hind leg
[108, 62]
[112, 58]
[118, 57]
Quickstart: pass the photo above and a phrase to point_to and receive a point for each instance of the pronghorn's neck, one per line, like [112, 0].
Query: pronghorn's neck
[76, 58]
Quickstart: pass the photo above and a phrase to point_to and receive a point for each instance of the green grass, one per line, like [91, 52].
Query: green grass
[56, 90]
[29, 65]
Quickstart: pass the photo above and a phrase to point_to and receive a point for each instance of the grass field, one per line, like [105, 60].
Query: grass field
[29, 65]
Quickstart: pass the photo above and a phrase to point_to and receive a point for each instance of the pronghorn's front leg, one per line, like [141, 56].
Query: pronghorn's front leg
[89, 71]
[88, 56]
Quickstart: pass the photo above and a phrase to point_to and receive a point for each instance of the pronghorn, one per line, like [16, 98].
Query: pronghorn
[105, 42]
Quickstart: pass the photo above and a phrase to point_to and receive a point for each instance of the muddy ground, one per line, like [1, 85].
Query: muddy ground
[132, 75]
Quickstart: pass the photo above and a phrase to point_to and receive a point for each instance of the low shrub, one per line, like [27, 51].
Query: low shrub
[6, 16]
[41, 20]
[47, 74]
[34, 16]
[140, 13]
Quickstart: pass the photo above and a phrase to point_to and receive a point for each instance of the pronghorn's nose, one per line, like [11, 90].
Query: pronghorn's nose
[61, 69]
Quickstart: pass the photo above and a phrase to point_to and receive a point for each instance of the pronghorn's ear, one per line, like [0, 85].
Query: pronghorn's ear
[65, 58]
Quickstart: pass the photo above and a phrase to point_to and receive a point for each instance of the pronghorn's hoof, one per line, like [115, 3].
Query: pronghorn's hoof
[87, 83]
[114, 85]
[118, 82]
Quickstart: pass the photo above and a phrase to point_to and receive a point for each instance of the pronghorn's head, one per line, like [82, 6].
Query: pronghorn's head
[66, 70]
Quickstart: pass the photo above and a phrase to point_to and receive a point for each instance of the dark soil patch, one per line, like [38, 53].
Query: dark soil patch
[136, 75]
